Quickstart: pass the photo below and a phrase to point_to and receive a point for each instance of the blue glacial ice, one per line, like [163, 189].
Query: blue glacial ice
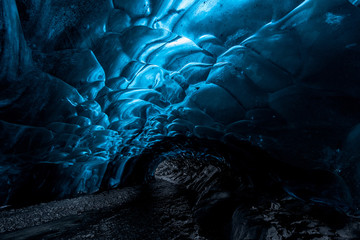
[87, 88]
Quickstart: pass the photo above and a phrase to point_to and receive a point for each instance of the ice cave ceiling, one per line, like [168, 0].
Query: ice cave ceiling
[91, 90]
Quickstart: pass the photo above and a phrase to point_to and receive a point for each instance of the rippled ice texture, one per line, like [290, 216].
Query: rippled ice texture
[87, 86]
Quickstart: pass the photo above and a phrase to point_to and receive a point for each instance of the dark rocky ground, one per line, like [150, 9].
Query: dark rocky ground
[184, 202]
[159, 210]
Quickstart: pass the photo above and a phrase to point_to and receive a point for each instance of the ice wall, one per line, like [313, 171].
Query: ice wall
[88, 86]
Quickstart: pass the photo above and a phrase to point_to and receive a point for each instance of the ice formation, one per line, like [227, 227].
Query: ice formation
[87, 87]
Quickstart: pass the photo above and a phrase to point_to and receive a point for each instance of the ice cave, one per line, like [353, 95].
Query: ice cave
[252, 107]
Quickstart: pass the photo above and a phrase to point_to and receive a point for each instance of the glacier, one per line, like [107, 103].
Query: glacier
[96, 94]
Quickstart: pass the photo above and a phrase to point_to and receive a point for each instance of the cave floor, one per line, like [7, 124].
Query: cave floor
[165, 210]
[158, 210]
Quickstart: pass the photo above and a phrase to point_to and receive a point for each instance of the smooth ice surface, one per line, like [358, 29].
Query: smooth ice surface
[87, 87]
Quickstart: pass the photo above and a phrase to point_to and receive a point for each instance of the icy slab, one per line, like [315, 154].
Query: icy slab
[91, 87]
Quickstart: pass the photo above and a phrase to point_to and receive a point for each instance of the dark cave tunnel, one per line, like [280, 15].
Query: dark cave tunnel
[247, 110]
